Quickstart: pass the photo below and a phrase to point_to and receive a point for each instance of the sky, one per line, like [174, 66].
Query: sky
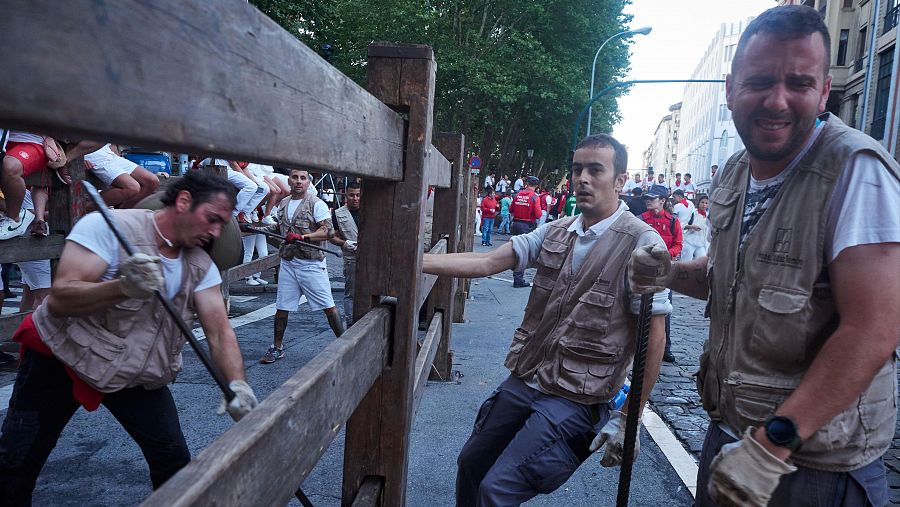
[682, 30]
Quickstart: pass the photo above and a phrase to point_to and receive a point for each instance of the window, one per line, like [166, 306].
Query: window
[860, 49]
[848, 4]
[852, 111]
[890, 18]
[723, 145]
[842, 47]
[882, 91]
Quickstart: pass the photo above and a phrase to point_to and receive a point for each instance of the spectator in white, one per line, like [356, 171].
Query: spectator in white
[35, 274]
[478, 215]
[678, 182]
[688, 187]
[683, 210]
[489, 182]
[713, 170]
[265, 175]
[661, 180]
[502, 185]
[696, 242]
[24, 157]
[648, 181]
[126, 182]
[519, 184]
[248, 213]
[631, 184]
[246, 187]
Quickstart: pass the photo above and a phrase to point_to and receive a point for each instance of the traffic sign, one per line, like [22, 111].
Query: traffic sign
[475, 162]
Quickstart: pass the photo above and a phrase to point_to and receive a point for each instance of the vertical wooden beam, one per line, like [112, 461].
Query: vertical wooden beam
[66, 203]
[447, 222]
[392, 224]
[466, 239]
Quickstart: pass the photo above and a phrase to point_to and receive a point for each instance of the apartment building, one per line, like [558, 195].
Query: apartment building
[662, 153]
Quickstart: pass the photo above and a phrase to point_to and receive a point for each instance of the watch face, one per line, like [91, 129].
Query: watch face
[781, 430]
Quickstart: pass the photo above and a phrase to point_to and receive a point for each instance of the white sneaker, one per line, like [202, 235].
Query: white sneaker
[269, 221]
[253, 281]
[10, 229]
[260, 281]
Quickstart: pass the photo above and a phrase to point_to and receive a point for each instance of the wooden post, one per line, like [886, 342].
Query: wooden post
[466, 239]
[392, 224]
[446, 222]
[66, 204]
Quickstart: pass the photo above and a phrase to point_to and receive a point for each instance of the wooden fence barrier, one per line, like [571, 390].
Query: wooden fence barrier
[220, 78]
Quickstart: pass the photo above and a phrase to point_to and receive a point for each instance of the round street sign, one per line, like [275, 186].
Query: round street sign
[475, 162]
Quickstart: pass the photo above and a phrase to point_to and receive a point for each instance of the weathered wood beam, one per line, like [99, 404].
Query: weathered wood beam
[210, 77]
[426, 356]
[369, 494]
[254, 266]
[27, 248]
[437, 169]
[429, 280]
[266, 456]
[9, 323]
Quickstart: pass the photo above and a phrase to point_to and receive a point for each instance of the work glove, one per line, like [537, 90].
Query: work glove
[745, 473]
[349, 246]
[141, 275]
[650, 269]
[243, 402]
[613, 435]
[293, 237]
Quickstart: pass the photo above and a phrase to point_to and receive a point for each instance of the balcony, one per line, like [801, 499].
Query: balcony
[891, 18]
[858, 64]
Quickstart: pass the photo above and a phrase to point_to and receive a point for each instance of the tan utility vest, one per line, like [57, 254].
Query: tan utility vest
[301, 223]
[772, 308]
[134, 343]
[348, 227]
[578, 333]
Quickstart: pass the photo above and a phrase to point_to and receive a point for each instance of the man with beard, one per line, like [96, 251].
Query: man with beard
[801, 285]
[572, 352]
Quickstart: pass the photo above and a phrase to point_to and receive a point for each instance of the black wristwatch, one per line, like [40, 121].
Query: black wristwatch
[782, 431]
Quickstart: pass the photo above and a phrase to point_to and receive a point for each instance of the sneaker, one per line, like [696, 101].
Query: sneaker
[490, 244]
[669, 357]
[39, 229]
[523, 284]
[252, 281]
[272, 355]
[269, 221]
[243, 218]
[9, 228]
[260, 281]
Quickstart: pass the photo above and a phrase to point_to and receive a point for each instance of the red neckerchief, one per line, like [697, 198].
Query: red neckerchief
[29, 339]
[701, 211]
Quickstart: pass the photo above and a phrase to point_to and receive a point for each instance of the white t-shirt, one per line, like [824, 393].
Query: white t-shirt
[92, 233]
[683, 212]
[320, 214]
[519, 184]
[260, 170]
[16, 136]
[629, 186]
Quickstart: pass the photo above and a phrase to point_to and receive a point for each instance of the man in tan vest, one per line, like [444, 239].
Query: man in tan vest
[803, 288]
[302, 218]
[101, 337]
[346, 234]
[573, 350]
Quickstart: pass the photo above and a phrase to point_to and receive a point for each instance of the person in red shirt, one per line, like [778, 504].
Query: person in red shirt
[489, 207]
[526, 211]
[670, 230]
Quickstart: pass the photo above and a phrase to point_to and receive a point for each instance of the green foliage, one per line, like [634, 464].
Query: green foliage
[512, 74]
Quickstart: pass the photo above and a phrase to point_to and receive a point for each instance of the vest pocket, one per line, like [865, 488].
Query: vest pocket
[553, 254]
[756, 397]
[723, 208]
[779, 318]
[100, 353]
[593, 311]
[586, 367]
[121, 317]
[520, 337]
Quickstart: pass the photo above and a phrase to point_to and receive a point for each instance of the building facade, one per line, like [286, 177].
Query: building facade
[660, 157]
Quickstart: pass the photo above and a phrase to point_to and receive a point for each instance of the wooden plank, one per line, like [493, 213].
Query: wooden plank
[27, 248]
[66, 203]
[266, 456]
[446, 222]
[369, 494]
[429, 280]
[9, 323]
[254, 266]
[466, 240]
[437, 169]
[393, 218]
[425, 358]
[209, 77]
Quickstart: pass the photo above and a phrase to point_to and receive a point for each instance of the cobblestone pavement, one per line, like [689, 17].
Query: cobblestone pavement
[675, 396]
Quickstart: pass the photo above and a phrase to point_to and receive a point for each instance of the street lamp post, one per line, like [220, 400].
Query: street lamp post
[530, 152]
[643, 31]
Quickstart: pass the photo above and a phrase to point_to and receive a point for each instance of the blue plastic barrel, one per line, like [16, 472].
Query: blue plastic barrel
[153, 162]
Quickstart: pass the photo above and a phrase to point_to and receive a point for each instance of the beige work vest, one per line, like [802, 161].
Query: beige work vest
[577, 336]
[134, 343]
[772, 309]
[348, 229]
[301, 223]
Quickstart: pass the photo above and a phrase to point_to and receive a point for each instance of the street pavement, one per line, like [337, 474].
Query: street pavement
[96, 463]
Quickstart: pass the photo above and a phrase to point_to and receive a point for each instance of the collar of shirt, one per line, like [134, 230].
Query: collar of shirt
[600, 227]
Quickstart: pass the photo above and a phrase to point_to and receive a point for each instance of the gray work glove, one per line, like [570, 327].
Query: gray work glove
[243, 402]
[349, 246]
[140, 275]
[613, 435]
[650, 269]
[745, 473]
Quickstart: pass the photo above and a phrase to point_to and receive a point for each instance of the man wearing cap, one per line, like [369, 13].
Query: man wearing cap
[670, 231]
[526, 211]
[571, 353]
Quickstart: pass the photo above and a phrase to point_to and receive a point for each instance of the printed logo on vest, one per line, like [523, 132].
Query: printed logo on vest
[779, 256]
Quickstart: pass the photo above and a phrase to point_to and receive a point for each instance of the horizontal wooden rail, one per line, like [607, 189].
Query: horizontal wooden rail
[266, 456]
[27, 248]
[429, 280]
[426, 357]
[210, 77]
[369, 494]
[248, 268]
[437, 169]
[9, 323]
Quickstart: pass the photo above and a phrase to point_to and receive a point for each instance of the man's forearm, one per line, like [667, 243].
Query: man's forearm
[226, 354]
[656, 346]
[77, 298]
[690, 278]
[470, 264]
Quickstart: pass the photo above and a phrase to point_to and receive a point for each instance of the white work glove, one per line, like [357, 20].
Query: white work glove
[349, 246]
[613, 435]
[140, 275]
[745, 473]
[650, 269]
[243, 402]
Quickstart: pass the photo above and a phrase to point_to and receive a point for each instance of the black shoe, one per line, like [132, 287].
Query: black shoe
[7, 294]
[669, 357]
[523, 284]
[490, 244]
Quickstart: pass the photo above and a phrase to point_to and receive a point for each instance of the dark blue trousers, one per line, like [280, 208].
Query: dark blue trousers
[519, 227]
[524, 443]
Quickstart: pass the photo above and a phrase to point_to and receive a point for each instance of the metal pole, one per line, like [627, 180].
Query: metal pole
[645, 30]
[892, 123]
[873, 36]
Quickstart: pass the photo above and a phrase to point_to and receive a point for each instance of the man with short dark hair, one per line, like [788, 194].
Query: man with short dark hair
[799, 286]
[346, 235]
[101, 336]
